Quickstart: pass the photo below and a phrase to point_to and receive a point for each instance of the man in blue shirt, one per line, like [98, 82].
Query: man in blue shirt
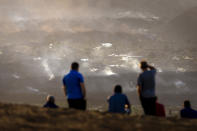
[74, 88]
[188, 112]
[146, 88]
[118, 101]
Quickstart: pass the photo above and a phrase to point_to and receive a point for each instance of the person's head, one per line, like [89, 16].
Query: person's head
[143, 65]
[118, 89]
[75, 66]
[187, 104]
[50, 99]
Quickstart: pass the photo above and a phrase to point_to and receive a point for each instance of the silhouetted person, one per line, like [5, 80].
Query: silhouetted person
[160, 110]
[118, 101]
[50, 102]
[187, 111]
[74, 88]
[146, 88]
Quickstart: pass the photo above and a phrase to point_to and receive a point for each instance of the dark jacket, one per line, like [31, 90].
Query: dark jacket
[188, 113]
[50, 105]
[117, 103]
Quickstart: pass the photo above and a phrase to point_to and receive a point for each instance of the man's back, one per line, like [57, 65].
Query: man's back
[50, 105]
[147, 82]
[188, 113]
[117, 103]
[72, 82]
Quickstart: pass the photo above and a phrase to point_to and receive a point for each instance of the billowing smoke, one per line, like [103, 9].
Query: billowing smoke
[40, 38]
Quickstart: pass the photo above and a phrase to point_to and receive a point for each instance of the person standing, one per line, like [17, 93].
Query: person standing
[74, 88]
[146, 88]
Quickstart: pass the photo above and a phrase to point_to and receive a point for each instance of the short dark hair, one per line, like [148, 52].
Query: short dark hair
[74, 66]
[187, 104]
[143, 64]
[51, 99]
[118, 89]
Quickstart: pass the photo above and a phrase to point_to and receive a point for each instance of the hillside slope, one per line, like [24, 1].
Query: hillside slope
[26, 117]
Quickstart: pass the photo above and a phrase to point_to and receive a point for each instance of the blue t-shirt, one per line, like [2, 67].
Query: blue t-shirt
[147, 81]
[117, 103]
[72, 82]
[188, 113]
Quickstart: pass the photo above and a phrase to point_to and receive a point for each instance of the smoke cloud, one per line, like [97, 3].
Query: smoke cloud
[40, 38]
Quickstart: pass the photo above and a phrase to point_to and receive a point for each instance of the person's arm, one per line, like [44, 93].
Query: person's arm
[139, 87]
[83, 90]
[44, 106]
[163, 110]
[128, 103]
[151, 67]
[108, 98]
[182, 114]
[64, 88]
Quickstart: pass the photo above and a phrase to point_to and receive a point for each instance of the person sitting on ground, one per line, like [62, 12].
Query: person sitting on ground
[188, 112]
[160, 110]
[118, 101]
[50, 102]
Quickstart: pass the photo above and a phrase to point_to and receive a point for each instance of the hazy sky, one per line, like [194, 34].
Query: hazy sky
[40, 38]
[44, 30]
[14, 13]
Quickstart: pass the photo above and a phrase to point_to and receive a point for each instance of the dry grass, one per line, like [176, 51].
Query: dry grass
[26, 117]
